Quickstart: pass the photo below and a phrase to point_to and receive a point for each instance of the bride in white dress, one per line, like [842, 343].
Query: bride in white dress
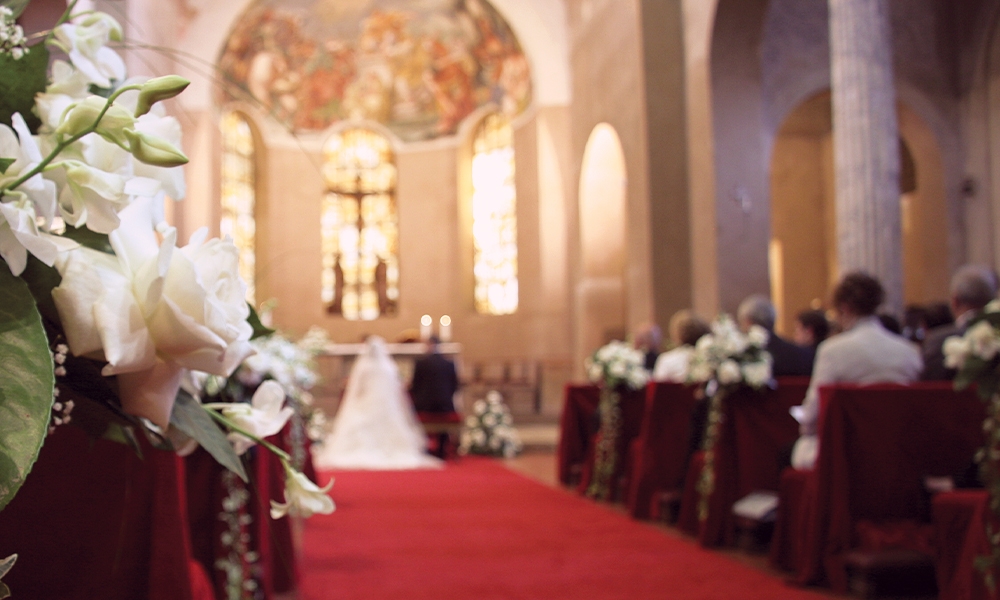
[376, 426]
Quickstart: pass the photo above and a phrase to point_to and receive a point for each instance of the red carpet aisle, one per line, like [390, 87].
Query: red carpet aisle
[476, 530]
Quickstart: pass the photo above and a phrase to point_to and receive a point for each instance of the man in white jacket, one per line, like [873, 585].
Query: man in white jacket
[864, 353]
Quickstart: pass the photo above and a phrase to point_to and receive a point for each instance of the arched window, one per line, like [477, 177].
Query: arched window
[239, 194]
[360, 235]
[494, 217]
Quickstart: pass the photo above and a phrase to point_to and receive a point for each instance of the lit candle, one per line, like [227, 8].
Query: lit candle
[425, 327]
[444, 332]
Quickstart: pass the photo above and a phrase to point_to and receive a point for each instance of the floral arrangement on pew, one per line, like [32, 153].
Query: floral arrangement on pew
[100, 306]
[615, 367]
[976, 356]
[489, 430]
[723, 361]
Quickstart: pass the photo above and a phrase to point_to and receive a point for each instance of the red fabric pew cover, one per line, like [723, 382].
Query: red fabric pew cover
[960, 535]
[276, 567]
[93, 520]
[877, 444]
[659, 453]
[756, 428]
[576, 426]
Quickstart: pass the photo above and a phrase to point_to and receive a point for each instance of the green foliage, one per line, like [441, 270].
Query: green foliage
[259, 329]
[5, 164]
[22, 80]
[27, 382]
[5, 566]
[191, 418]
[89, 239]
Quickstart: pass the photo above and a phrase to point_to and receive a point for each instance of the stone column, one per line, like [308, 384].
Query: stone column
[866, 143]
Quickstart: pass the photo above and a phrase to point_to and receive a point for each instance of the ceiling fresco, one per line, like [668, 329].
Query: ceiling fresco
[417, 66]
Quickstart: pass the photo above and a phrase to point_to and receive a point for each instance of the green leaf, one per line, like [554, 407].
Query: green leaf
[89, 239]
[259, 329]
[190, 417]
[27, 382]
[5, 164]
[22, 80]
[41, 280]
[6, 564]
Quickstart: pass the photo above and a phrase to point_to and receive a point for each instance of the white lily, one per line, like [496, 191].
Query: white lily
[262, 417]
[303, 498]
[85, 41]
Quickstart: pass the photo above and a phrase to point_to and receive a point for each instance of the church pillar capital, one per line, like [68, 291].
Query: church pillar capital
[866, 143]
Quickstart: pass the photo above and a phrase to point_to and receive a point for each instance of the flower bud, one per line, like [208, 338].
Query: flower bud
[82, 116]
[153, 150]
[160, 88]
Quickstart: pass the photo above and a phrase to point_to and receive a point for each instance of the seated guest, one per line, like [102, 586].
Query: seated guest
[811, 328]
[648, 339]
[915, 323]
[972, 288]
[789, 359]
[685, 331]
[938, 314]
[864, 353]
[891, 323]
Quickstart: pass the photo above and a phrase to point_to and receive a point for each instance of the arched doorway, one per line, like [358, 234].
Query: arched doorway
[803, 245]
[600, 291]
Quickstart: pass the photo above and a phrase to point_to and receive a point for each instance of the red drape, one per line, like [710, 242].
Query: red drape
[94, 520]
[877, 443]
[633, 405]
[756, 429]
[576, 426]
[960, 534]
[659, 453]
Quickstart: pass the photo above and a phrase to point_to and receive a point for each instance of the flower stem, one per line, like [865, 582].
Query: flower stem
[237, 429]
[40, 167]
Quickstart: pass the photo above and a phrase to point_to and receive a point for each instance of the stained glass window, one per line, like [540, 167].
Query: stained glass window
[494, 217]
[239, 194]
[360, 234]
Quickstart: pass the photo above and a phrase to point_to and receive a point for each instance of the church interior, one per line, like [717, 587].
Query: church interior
[529, 180]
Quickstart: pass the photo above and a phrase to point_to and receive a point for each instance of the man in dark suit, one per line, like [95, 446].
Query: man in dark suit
[972, 288]
[435, 381]
[789, 359]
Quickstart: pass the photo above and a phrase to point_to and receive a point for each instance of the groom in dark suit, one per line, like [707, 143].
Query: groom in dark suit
[435, 381]
[433, 388]
[789, 359]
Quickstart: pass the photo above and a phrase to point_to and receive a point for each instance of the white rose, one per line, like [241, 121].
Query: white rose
[479, 407]
[154, 309]
[956, 350]
[758, 336]
[262, 417]
[637, 378]
[303, 498]
[729, 372]
[699, 372]
[993, 306]
[594, 372]
[757, 374]
[489, 420]
[617, 369]
[494, 397]
[471, 422]
[983, 340]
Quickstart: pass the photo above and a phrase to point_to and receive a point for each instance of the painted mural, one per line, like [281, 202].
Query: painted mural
[417, 66]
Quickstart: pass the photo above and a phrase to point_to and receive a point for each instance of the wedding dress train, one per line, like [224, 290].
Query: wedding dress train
[375, 426]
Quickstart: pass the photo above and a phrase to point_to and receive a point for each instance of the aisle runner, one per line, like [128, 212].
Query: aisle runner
[476, 530]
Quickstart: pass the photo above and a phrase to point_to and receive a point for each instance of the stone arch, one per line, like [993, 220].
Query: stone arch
[803, 216]
[600, 291]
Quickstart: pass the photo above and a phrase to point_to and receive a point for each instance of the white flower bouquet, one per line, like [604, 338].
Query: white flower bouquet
[490, 429]
[730, 358]
[617, 364]
[99, 301]
[723, 361]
